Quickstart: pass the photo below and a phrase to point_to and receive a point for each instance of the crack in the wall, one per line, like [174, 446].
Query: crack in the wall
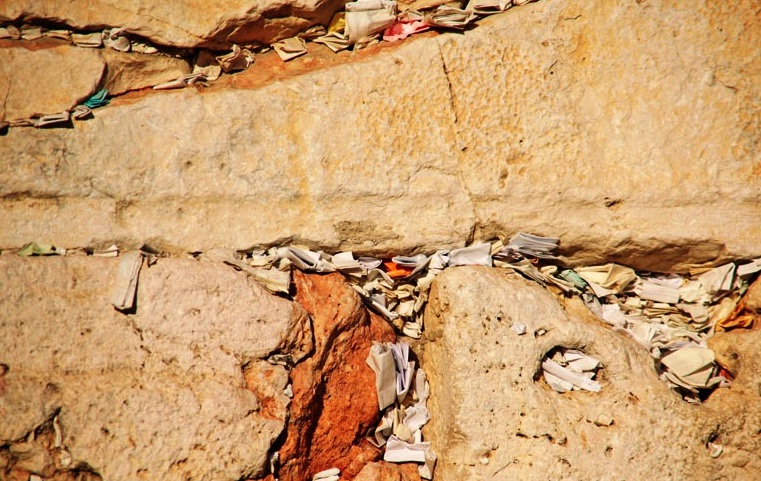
[460, 147]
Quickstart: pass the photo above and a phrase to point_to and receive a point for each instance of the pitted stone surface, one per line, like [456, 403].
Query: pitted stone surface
[493, 417]
[629, 130]
[158, 394]
[46, 81]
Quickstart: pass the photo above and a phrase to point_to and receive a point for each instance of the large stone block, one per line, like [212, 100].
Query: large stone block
[157, 394]
[184, 23]
[46, 80]
[339, 158]
[629, 130]
[493, 417]
[629, 125]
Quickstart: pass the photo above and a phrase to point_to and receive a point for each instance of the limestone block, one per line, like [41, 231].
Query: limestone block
[157, 394]
[629, 130]
[625, 124]
[184, 23]
[338, 159]
[46, 81]
[494, 417]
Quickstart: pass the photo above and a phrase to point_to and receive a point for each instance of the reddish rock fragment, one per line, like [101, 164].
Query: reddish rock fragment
[334, 401]
[383, 471]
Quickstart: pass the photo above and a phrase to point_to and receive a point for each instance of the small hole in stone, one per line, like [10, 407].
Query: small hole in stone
[566, 369]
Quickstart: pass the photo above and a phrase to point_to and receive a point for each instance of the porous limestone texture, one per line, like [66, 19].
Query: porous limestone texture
[388, 472]
[46, 76]
[493, 417]
[628, 129]
[182, 23]
[46, 81]
[753, 296]
[155, 394]
[334, 401]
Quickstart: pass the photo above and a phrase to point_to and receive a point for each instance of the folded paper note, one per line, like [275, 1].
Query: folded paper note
[87, 40]
[35, 249]
[607, 279]
[81, 112]
[476, 254]
[690, 367]
[116, 40]
[488, 7]
[332, 474]
[367, 17]
[98, 99]
[718, 279]
[381, 361]
[238, 59]
[402, 30]
[313, 32]
[125, 287]
[449, 17]
[54, 120]
[533, 245]
[335, 41]
[290, 48]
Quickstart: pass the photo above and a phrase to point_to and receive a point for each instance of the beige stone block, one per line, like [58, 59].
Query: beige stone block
[157, 393]
[184, 23]
[494, 417]
[613, 123]
[46, 81]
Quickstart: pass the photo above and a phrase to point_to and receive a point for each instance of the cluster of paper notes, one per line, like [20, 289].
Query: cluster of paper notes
[114, 38]
[366, 22]
[363, 23]
[670, 315]
[570, 370]
[81, 111]
[402, 394]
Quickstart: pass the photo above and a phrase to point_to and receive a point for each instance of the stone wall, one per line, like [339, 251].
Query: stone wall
[628, 129]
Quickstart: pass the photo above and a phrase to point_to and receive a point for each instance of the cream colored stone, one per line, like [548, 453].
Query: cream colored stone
[628, 130]
[133, 71]
[183, 23]
[753, 296]
[624, 124]
[494, 417]
[46, 81]
[159, 393]
[237, 168]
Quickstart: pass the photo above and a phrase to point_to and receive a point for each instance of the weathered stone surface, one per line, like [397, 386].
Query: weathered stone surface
[184, 23]
[493, 417]
[382, 471]
[628, 125]
[133, 71]
[46, 81]
[281, 180]
[752, 297]
[334, 401]
[738, 352]
[630, 130]
[159, 394]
